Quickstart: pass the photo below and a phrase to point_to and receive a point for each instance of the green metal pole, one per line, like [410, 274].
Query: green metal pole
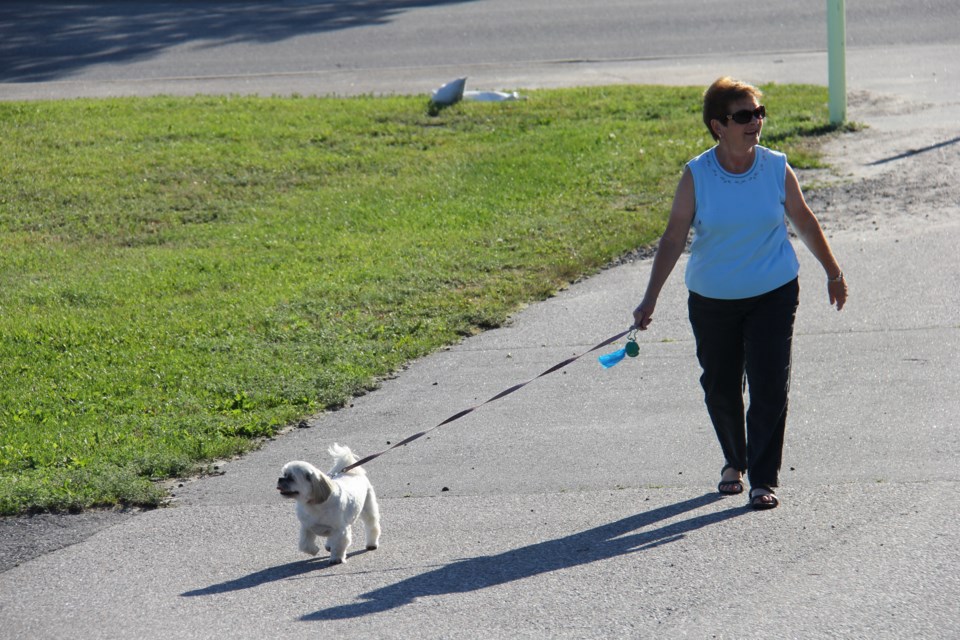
[837, 60]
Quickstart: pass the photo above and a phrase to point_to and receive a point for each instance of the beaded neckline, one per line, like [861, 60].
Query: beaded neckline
[759, 158]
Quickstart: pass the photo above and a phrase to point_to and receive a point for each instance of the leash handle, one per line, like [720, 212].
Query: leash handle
[502, 394]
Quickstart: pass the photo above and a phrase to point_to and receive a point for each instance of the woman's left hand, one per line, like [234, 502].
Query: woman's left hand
[837, 289]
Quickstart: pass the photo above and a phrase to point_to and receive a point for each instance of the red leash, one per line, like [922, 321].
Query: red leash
[504, 393]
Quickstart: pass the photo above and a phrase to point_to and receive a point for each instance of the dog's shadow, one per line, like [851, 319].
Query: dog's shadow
[601, 543]
[472, 574]
[273, 574]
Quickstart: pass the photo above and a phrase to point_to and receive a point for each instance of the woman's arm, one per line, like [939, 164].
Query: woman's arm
[671, 246]
[808, 229]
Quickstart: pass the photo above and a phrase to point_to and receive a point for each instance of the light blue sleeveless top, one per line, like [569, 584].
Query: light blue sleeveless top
[740, 244]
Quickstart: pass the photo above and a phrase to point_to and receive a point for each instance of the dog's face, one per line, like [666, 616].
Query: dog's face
[303, 482]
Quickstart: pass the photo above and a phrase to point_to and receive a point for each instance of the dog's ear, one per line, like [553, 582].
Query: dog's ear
[321, 487]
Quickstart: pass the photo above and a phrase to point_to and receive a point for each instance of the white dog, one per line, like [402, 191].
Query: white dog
[327, 506]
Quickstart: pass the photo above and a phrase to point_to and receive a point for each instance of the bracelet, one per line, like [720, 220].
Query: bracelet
[839, 278]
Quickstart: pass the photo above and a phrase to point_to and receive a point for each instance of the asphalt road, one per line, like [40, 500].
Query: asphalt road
[64, 49]
[583, 506]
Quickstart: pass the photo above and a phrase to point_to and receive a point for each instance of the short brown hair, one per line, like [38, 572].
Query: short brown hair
[720, 95]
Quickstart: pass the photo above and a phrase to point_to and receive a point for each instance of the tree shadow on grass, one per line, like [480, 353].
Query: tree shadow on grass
[801, 130]
[473, 574]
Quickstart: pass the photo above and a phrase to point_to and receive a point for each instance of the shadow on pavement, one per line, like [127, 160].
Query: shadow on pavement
[913, 152]
[43, 41]
[273, 574]
[608, 541]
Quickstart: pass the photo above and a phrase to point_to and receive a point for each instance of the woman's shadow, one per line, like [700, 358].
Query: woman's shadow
[608, 541]
[472, 574]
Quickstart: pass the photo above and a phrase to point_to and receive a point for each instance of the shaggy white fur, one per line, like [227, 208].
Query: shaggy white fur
[328, 505]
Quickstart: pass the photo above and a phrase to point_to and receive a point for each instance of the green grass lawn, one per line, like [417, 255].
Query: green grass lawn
[181, 277]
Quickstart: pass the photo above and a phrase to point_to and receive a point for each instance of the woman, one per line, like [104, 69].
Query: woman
[742, 279]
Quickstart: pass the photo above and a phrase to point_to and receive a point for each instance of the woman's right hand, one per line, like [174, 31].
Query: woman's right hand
[643, 315]
[669, 249]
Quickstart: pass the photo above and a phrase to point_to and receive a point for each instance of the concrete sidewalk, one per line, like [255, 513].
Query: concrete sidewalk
[583, 506]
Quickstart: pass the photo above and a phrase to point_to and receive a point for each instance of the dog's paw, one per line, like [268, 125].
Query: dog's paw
[310, 549]
[372, 547]
[335, 561]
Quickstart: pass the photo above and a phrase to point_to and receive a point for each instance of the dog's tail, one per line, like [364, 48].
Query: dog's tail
[343, 457]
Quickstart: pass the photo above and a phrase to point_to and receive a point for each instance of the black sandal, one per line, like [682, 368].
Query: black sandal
[729, 487]
[764, 500]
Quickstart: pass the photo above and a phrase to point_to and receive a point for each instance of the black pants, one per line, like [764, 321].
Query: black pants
[747, 342]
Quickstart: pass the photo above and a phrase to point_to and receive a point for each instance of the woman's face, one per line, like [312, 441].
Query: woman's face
[747, 134]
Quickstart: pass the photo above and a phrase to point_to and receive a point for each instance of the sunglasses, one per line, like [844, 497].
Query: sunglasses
[746, 115]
